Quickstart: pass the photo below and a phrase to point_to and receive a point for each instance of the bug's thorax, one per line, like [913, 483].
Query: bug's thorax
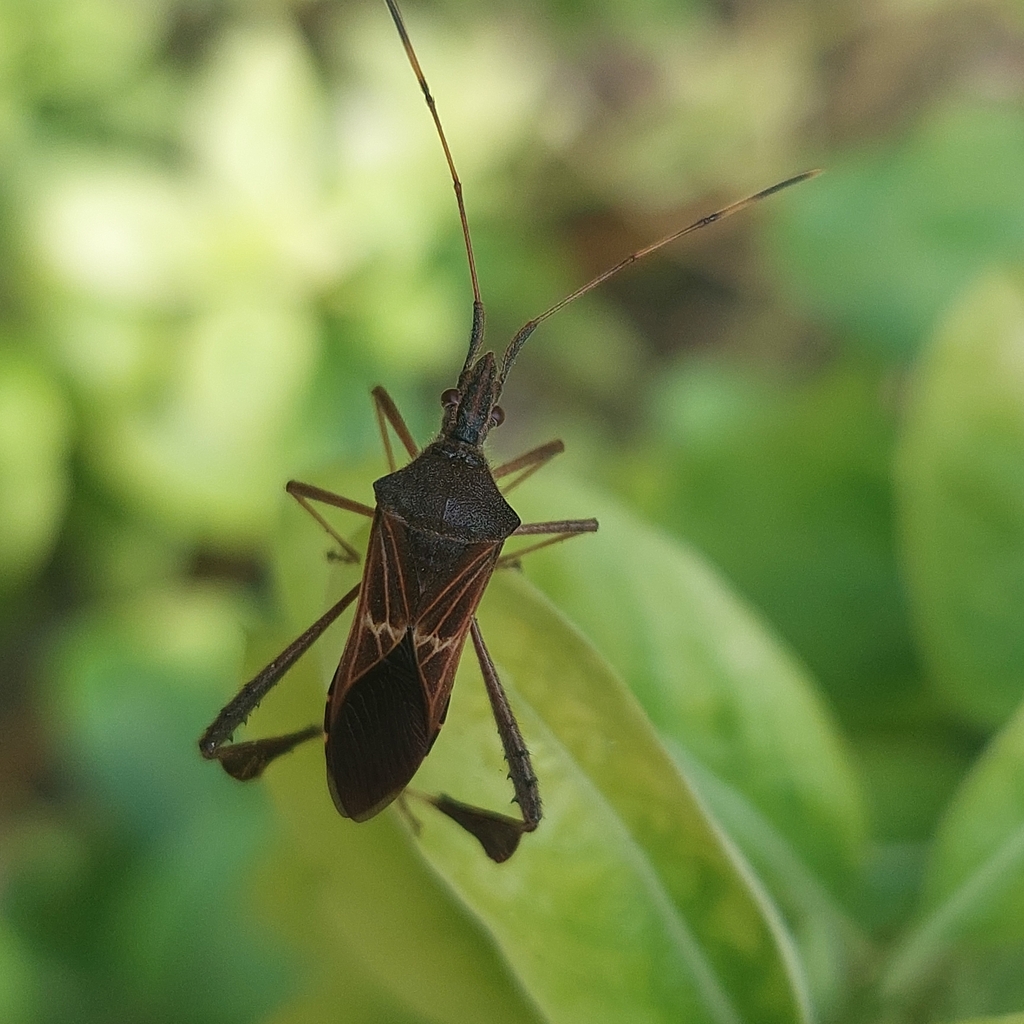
[448, 490]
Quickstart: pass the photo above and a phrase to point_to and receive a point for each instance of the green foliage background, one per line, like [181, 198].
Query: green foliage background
[775, 703]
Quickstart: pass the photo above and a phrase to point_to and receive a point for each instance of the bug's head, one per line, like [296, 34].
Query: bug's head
[471, 409]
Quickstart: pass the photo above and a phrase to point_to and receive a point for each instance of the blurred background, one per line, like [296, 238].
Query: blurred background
[222, 223]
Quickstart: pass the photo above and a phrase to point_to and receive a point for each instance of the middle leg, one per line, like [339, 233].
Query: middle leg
[561, 529]
[387, 412]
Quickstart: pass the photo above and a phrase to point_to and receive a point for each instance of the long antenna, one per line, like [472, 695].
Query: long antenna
[477, 333]
[530, 326]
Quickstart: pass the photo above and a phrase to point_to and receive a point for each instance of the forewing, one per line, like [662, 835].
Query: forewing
[375, 721]
[382, 616]
[442, 622]
[379, 735]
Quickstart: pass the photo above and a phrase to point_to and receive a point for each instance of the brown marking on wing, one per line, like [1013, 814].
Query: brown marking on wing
[440, 629]
[447, 604]
[382, 616]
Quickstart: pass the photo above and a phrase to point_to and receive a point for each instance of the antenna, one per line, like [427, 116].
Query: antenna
[476, 335]
[530, 326]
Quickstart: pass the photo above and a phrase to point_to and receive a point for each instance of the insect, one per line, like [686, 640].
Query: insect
[436, 537]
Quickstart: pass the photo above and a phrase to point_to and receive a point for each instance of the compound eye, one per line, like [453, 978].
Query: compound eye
[450, 397]
[497, 416]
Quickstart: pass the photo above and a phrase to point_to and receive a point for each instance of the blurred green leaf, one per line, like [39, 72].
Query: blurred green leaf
[115, 231]
[138, 912]
[973, 898]
[72, 52]
[786, 488]
[206, 458]
[960, 482]
[911, 770]
[18, 978]
[888, 235]
[129, 681]
[35, 432]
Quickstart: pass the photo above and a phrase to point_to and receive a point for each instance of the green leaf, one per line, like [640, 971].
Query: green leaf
[34, 442]
[1010, 1018]
[18, 980]
[960, 483]
[707, 671]
[882, 241]
[738, 712]
[627, 903]
[134, 903]
[973, 896]
[786, 488]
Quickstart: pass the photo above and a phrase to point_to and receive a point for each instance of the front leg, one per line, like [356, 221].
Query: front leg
[387, 412]
[305, 493]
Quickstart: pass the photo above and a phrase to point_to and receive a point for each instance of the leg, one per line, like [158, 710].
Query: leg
[499, 834]
[387, 412]
[305, 493]
[528, 463]
[247, 760]
[406, 812]
[562, 528]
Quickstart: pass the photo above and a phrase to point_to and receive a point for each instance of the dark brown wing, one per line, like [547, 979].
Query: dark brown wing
[441, 622]
[379, 735]
[375, 720]
[391, 690]
[382, 615]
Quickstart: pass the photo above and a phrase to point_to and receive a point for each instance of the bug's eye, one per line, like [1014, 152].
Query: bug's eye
[497, 416]
[450, 397]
